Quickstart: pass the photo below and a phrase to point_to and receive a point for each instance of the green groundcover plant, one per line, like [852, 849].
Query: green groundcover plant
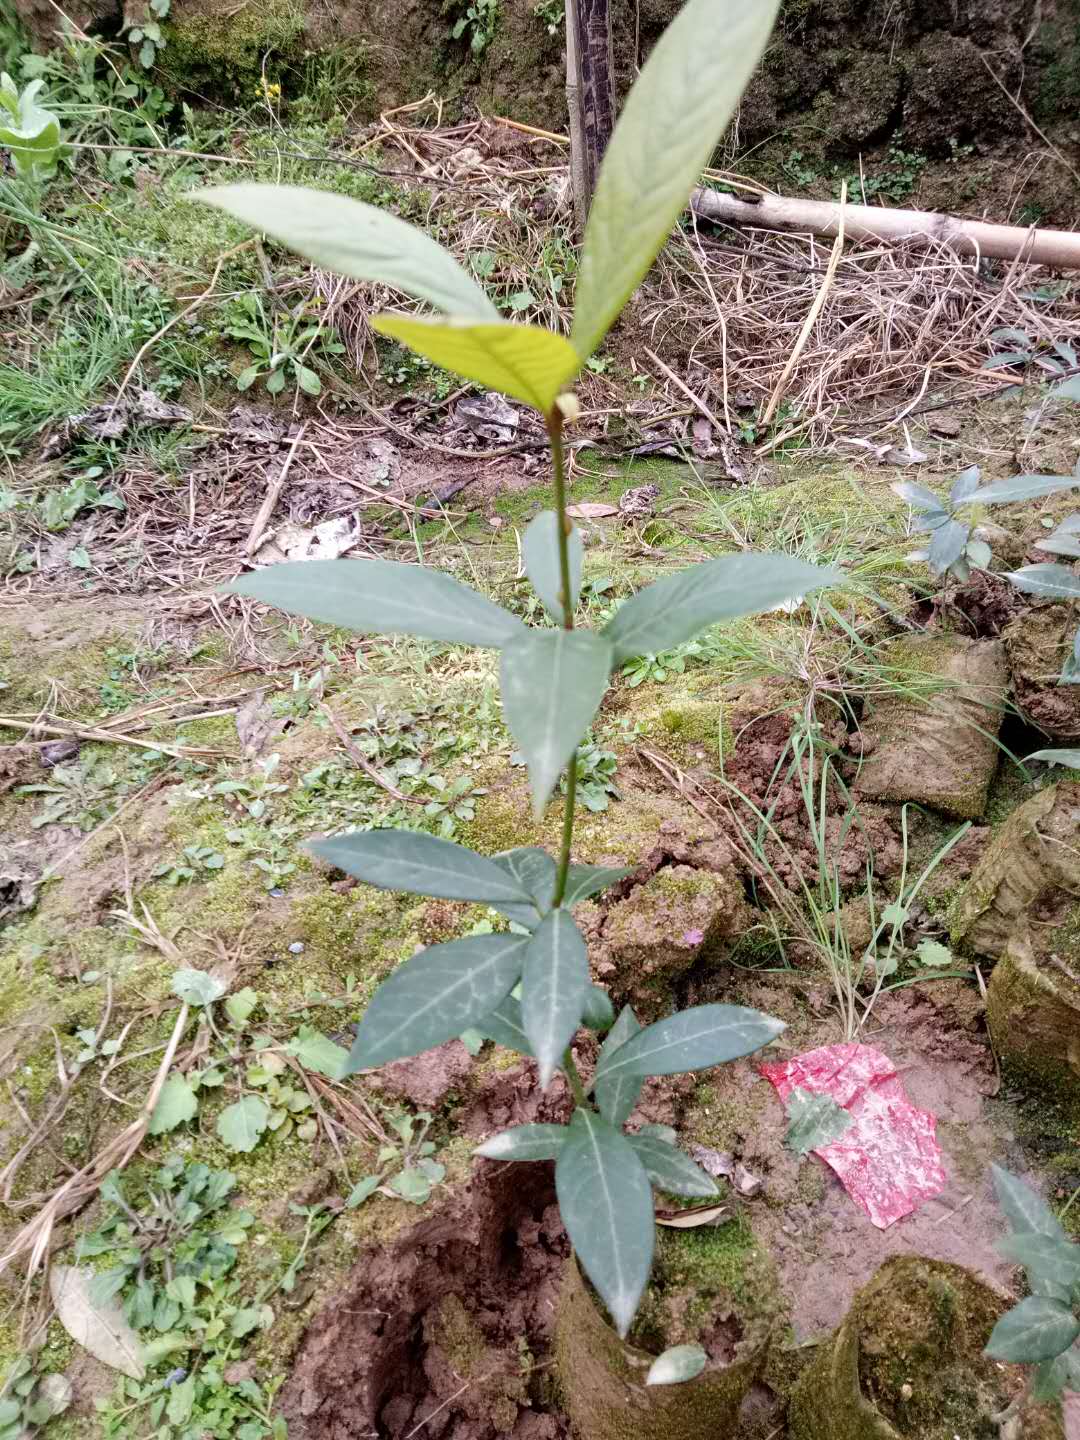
[1044, 1329]
[529, 988]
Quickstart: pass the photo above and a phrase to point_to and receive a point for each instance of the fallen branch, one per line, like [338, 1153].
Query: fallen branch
[273, 492]
[811, 319]
[1059, 248]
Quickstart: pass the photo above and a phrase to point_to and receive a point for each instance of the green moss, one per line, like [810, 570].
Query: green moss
[214, 50]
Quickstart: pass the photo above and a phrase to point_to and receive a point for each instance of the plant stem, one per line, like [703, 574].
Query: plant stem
[577, 1089]
[558, 460]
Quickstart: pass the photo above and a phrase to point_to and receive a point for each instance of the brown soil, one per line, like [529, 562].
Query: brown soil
[1038, 642]
[437, 1328]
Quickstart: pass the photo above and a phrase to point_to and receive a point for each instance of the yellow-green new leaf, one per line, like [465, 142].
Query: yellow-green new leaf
[674, 116]
[531, 364]
[355, 239]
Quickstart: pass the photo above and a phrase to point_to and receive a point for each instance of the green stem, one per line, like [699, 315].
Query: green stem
[558, 459]
[577, 1089]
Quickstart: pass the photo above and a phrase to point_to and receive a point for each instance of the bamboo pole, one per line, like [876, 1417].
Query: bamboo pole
[1058, 248]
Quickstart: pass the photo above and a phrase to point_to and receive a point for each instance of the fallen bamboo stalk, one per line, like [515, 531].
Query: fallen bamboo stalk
[90, 732]
[1058, 248]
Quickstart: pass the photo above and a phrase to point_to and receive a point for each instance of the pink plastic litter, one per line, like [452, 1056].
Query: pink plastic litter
[888, 1159]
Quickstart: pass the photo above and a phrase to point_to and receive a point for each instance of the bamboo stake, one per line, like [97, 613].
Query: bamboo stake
[925, 228]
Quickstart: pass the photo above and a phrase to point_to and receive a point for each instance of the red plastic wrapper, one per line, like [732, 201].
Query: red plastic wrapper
[888, 1159]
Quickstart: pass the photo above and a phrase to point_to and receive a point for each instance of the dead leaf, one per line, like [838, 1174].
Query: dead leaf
[488, 416]
[328, 541]
[257, 725]
[713, 1162]
[591, 510]
[99, 1328]
[705, 447]
[694, 1217]
[904, 455]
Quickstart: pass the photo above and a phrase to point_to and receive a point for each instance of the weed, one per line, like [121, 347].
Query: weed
[88, 792]
[280, 344]
[551, 14]
[146, 37]
[595, 776]
[478, 24]
[29, 1399]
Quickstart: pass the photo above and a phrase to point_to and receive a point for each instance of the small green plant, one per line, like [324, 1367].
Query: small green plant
[529, 987]
[479, 23]
[956, 546]
[1043, 1329]
[145, 36]
[87, 791]
[595, 776]
[551, 14]
[280, 345]
[1055, 357]
[194, 860]
[29, 1400]
[29, 132]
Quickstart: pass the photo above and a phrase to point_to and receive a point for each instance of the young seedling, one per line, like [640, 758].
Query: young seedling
[1042, 1330]
[530, 988]
[956, 546]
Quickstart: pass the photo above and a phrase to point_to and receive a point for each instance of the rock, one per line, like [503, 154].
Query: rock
[908, 1351]
[678, 918]
[602, 1380]
[1037, 644]
[1033, 1010]
[945, 425]
[940, 751]
[1028, 865]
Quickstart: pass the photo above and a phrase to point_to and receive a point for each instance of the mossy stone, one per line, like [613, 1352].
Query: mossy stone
[602, 1381]
[1033, 1011]
[907, 1362]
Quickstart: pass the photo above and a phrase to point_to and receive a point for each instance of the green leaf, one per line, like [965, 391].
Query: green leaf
[412, 1185]
[1022, 487]
[1026, 1211]
[505, 1026]
[677, 1365]
[947, 545]
[1053, 1265]
[525, 1142]
[669, 1169]
[534, 870]
[673, 118]
[932, 952]
[362, 1190]
[585, 880]
[606, 1205]
[1066, 538]
[354, 239]
[1053, 582]
[1037, 1329]
[421, 865]
[554, 982]
[318, 1052]
[674, 609]
[599, 1013]
[531, 364]
[1068, 758]
[239, 1007]
[176, 1103]
[618, 1094]
[383, 597]
[435, 995]
[541, 551]
[240, 1126]
[309, 380]
[197, 987]
[695, 1039]
[552, 684]
[813, 1121]
[1060, 1373]
[916, 496]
